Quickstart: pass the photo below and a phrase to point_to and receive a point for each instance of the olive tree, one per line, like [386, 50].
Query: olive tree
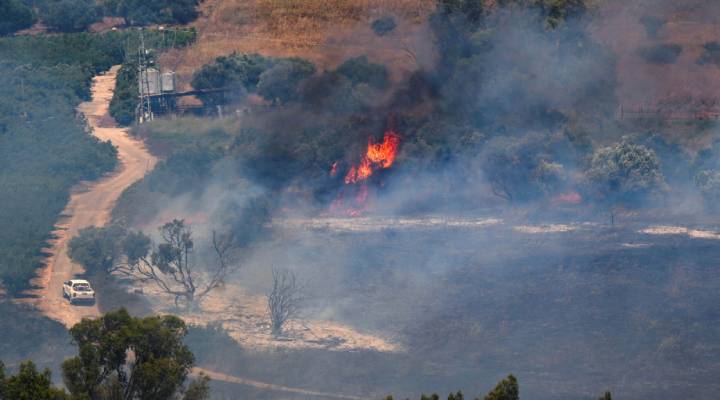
[172, 265]
[524, 169]
[625, 173]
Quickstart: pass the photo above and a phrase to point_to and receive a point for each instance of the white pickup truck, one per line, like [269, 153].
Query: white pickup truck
[77, 290]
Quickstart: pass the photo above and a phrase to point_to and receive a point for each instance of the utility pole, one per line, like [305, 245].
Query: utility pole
[145, 107]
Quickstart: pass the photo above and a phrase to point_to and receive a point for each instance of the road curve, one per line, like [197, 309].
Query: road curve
[91, 203]
[217, 376]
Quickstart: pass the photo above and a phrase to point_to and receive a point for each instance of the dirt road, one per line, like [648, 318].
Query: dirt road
[217, 376]
[91, 203]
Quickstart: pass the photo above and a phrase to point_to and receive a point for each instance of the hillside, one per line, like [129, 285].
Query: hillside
[325, 32]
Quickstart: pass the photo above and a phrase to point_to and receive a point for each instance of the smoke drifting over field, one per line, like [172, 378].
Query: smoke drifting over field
[511, 232]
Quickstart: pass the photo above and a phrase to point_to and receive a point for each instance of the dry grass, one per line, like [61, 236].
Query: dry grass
[323, 31]
[291, 16]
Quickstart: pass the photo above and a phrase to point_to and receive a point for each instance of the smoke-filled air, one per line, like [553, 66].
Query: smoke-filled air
[377, 199]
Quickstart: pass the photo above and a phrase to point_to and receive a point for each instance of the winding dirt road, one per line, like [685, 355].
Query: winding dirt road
[91, 203]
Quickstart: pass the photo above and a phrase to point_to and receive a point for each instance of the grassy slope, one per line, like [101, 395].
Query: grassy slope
[325, 32]
[684, 87]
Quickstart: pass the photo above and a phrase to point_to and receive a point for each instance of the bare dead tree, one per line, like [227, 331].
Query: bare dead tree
[171, 265]
[284, 300]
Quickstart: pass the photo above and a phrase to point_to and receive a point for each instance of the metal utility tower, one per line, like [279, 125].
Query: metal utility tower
[145, 109]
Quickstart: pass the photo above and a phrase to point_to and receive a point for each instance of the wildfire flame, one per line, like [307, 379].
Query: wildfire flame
[378, 156]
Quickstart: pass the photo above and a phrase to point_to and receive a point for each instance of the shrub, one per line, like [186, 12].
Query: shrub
[666, 53]
[236, 70]
[383, 26]
[652, 25]
[711, 54]
[360, 70]
[281, 82]
[276, 79]
[97, 249]
[522, 169]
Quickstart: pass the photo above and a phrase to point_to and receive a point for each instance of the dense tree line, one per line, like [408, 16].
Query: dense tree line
[119, 357]
[14, 16]
[77, 15]
[44, 146]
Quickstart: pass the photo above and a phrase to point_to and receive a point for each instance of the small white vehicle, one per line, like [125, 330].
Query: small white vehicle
[78, 290]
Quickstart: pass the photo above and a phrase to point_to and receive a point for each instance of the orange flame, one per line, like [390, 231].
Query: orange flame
[378, 156]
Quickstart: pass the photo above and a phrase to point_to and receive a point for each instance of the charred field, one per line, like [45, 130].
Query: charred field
[569, 312]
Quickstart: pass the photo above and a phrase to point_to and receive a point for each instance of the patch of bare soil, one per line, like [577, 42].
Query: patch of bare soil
[681, 230]
[378, 224]
[244, 317]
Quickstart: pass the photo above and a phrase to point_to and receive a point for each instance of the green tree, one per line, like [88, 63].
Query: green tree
[97, 249]
[360, 70]
[233, 71]
[522, 169]
[172, 265]
[281, 82]
[14, 16]
[276, 79]
[142, 12]
[625, 173]
[29, 384]
[125, 96]
[70, 15]
[507, 389]
[136, 358]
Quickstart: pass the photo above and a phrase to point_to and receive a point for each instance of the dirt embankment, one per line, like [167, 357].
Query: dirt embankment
[91, 203]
